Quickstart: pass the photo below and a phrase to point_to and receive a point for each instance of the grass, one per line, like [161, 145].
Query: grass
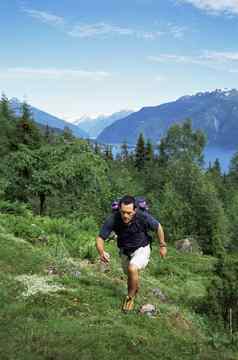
[74, 310]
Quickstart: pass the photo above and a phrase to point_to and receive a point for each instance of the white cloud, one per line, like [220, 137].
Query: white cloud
[104, 29]
[53, 74]
[82, 30]
[45, 17]
[221, 56]
[170, 57]
[227, 61]
[215, 6]
[92, 30]
[176, 31]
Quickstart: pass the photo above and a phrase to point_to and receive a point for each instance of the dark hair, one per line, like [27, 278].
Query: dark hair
[127, 199]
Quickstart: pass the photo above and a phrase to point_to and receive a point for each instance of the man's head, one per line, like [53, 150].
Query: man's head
[127, 207]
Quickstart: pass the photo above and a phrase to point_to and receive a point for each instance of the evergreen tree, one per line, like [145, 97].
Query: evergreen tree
[233, 171]
[149, 153]
[7, 126]
[67, 135]
[5, 108]
[215, 175]
[140, 152]
[108, 152]
[27, 132]
[97, 149]
[48, 135]
[124, 151]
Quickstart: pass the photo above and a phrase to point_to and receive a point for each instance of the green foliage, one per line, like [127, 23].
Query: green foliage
[233, 171]
[124, 151]
[190, 206]
[140, 152]
[17, 208]
[71, 170]
[232, 213]
[5, 109]
[221, 302]
[27, 132]
[174, 212]
[149, 153]
[181, 142]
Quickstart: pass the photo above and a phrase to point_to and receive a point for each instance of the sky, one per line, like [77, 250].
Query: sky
[73, 58]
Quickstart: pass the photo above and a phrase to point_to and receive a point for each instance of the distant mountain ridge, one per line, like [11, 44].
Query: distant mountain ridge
[94, 126]
[215, 112]
[45, 118]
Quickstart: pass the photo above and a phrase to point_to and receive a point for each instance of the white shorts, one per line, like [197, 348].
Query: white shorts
[139, 258]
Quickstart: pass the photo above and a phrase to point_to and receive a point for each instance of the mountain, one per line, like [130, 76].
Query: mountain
[216, 113]
[94, 126]
[44, 118]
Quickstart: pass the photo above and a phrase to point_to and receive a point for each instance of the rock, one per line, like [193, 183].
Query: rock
[157, 292]
[43, 239]
[52, 270]
[187, 245]
[76, 274]
[148, 309]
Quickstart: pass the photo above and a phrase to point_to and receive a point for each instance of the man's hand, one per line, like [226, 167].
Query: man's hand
[105, 257]
[163, 251]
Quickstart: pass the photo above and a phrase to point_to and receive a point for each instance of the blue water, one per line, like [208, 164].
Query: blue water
[224, 156]
[210, 155]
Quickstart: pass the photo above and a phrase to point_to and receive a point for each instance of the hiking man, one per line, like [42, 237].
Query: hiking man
[131, 226]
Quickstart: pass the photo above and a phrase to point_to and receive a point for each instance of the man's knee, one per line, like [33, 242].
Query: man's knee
[132, 269]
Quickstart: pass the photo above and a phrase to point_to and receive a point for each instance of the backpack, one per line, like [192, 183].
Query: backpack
[140, 204]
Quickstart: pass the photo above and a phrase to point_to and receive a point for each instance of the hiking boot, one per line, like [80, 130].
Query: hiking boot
[128, 304]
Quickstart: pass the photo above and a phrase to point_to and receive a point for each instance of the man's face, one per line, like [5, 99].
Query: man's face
[127, 212]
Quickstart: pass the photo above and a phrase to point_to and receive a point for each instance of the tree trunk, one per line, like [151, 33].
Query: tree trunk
[42, 203]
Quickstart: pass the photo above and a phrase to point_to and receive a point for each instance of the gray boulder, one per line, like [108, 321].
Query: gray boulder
[148, 309]
[157, 292]
[187, 245]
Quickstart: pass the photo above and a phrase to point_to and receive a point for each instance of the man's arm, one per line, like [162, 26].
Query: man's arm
[105, 231]
[162, 243]
[104, 256]
[157, 227]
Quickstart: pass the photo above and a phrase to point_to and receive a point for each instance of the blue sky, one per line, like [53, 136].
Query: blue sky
[77, 57]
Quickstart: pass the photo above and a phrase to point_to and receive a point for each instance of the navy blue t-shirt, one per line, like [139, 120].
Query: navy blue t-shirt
[133, 235]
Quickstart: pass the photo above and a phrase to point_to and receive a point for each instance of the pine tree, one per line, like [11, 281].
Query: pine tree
[7, 126]
[68, 135]
[140, 152]
[27, 132]
[108, 152]
[5, 108]
[48, 135]
[149, 153]
[97, 149]
[124, 151]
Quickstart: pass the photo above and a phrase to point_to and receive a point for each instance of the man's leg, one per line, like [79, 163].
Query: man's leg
[132, 280]
[138, 261]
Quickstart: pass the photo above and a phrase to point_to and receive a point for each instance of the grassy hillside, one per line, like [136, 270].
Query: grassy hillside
[56, 303]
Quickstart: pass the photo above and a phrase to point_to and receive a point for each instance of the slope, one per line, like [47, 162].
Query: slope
[56, 304]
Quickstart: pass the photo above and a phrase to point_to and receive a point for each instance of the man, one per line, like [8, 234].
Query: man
[131, 226]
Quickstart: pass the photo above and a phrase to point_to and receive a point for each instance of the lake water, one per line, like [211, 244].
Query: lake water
[224, 156]
[210, 155]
